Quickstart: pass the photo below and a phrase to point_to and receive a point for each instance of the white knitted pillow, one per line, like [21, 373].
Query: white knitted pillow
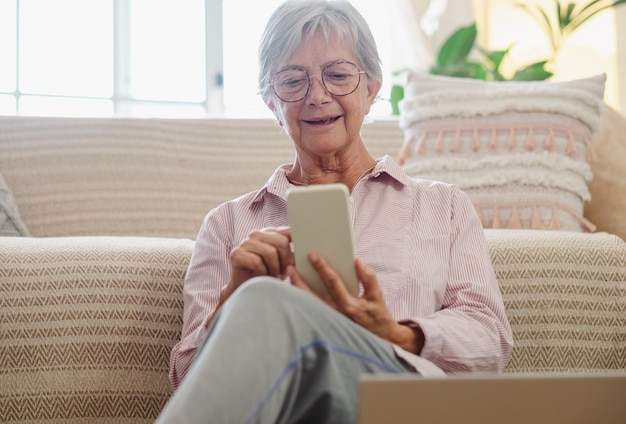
[10, 222]
[519, 149]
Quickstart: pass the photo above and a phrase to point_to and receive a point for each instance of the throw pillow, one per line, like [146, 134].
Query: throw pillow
[607, 207]
[10, 222]
[521, 150]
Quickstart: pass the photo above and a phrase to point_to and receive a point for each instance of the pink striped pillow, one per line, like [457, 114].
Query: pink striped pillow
[521, 150]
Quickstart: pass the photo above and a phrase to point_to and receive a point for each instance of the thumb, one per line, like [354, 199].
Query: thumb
[367, 277]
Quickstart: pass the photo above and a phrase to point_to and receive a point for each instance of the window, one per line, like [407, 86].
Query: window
[102, 57]
[141, 57]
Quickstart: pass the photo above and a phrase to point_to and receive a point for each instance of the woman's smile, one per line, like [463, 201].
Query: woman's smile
[323, 121]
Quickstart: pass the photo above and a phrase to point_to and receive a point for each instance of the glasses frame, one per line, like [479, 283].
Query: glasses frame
[321, 77]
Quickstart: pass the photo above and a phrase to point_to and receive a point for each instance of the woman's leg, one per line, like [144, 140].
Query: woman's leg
[275, 354]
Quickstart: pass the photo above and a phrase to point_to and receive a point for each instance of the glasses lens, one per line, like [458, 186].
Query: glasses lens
[291, 84]
[341, 78]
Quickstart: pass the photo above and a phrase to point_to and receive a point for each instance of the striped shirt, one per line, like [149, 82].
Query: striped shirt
[423, 239]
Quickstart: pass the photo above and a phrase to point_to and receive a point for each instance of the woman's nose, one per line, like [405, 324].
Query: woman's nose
[317, 89]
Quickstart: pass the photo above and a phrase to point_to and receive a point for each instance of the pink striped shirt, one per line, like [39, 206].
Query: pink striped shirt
[423, 239]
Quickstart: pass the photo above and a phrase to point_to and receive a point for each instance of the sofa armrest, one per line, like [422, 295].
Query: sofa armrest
[565, 296]
[86, 326]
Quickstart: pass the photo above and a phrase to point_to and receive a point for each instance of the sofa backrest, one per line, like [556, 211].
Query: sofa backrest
[159, 177]
[148, 177]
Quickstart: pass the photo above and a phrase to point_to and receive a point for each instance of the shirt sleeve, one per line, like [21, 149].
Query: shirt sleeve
[207, 274]
[471, 331]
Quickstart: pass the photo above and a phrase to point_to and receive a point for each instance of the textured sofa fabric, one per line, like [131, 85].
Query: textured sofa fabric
[91, 304]
[565, 297]
[143, 177]
[87, 325]
[88, 322]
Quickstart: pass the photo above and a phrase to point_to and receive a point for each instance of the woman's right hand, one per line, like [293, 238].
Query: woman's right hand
[263, 252]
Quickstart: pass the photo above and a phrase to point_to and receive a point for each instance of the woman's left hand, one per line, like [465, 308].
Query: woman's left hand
[369, 310]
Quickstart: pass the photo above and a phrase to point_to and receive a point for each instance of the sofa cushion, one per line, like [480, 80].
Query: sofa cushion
[565, 298]
[10, 222]
[519, 149]
[607, 207]
[87, 325]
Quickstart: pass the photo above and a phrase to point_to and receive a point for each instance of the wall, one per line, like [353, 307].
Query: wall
[620, 26]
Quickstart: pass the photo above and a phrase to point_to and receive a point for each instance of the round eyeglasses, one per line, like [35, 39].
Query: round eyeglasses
[339, 79]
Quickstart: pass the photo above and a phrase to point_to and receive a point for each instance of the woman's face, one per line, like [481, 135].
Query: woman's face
[322, 123]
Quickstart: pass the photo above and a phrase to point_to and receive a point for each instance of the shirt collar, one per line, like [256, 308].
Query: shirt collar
[278, 184]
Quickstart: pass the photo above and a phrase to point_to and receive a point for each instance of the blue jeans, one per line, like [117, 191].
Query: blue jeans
[275, 354]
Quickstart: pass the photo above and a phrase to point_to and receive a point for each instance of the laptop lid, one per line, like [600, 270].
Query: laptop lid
[491, 399]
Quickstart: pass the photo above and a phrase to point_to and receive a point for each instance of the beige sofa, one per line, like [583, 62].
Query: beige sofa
[90, 303]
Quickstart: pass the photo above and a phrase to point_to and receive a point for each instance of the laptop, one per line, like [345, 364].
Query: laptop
[490, 399]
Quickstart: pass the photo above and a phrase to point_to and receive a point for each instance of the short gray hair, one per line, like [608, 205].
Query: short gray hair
[294, 20]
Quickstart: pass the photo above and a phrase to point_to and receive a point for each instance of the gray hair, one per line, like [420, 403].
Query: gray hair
[294, 20]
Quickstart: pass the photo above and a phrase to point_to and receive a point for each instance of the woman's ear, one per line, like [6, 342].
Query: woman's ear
[270, 104]
[373, 87]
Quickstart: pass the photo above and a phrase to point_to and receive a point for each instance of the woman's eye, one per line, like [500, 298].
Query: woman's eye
[335, 76]
[293, 82]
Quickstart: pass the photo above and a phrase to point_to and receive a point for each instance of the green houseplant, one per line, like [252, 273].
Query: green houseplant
[455, 55]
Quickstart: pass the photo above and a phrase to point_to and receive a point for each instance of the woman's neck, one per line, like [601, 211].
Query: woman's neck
[341, 172]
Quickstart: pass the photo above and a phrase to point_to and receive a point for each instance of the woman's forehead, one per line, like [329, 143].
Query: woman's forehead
[317, 50]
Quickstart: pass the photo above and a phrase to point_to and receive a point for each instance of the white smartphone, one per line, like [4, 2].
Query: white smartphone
[319, 217]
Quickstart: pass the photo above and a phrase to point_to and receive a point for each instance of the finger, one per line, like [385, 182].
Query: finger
[245, 265]
[285, 250]
[298, 281]
[274, 249]
[367, 277]
[332, 281]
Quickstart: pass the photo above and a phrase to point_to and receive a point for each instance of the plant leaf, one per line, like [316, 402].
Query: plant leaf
[397, 94]
[496, 57]
[533, 72]
[589, 12]
[462, 70]
[565, 18]
[457, 47]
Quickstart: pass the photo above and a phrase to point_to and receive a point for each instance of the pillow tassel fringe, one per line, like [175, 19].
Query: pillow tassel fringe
[422, 141]
[514, 222]
[494, 140]
[512, 139]
[496, 218]
[590, 153]
[587, 225]
[536, 220]
[530, 142]
[555, 224]
[550, 140]
[456, 143]
[420, 148]
[439, 142]
[475, 141]
[405, 152]
[571, 144]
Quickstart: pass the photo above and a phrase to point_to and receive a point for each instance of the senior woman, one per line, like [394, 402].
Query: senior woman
[257, 344]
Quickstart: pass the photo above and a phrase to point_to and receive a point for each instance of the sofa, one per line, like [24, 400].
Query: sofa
[105, 212]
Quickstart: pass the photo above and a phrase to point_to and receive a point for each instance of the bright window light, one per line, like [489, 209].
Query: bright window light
[8, 46]
[167, 48]
[61, 106]
[66, 47]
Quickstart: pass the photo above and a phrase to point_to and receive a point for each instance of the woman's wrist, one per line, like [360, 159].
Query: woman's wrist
[409, 337]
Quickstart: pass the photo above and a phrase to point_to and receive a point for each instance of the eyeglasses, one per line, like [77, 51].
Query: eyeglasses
[339, 79]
